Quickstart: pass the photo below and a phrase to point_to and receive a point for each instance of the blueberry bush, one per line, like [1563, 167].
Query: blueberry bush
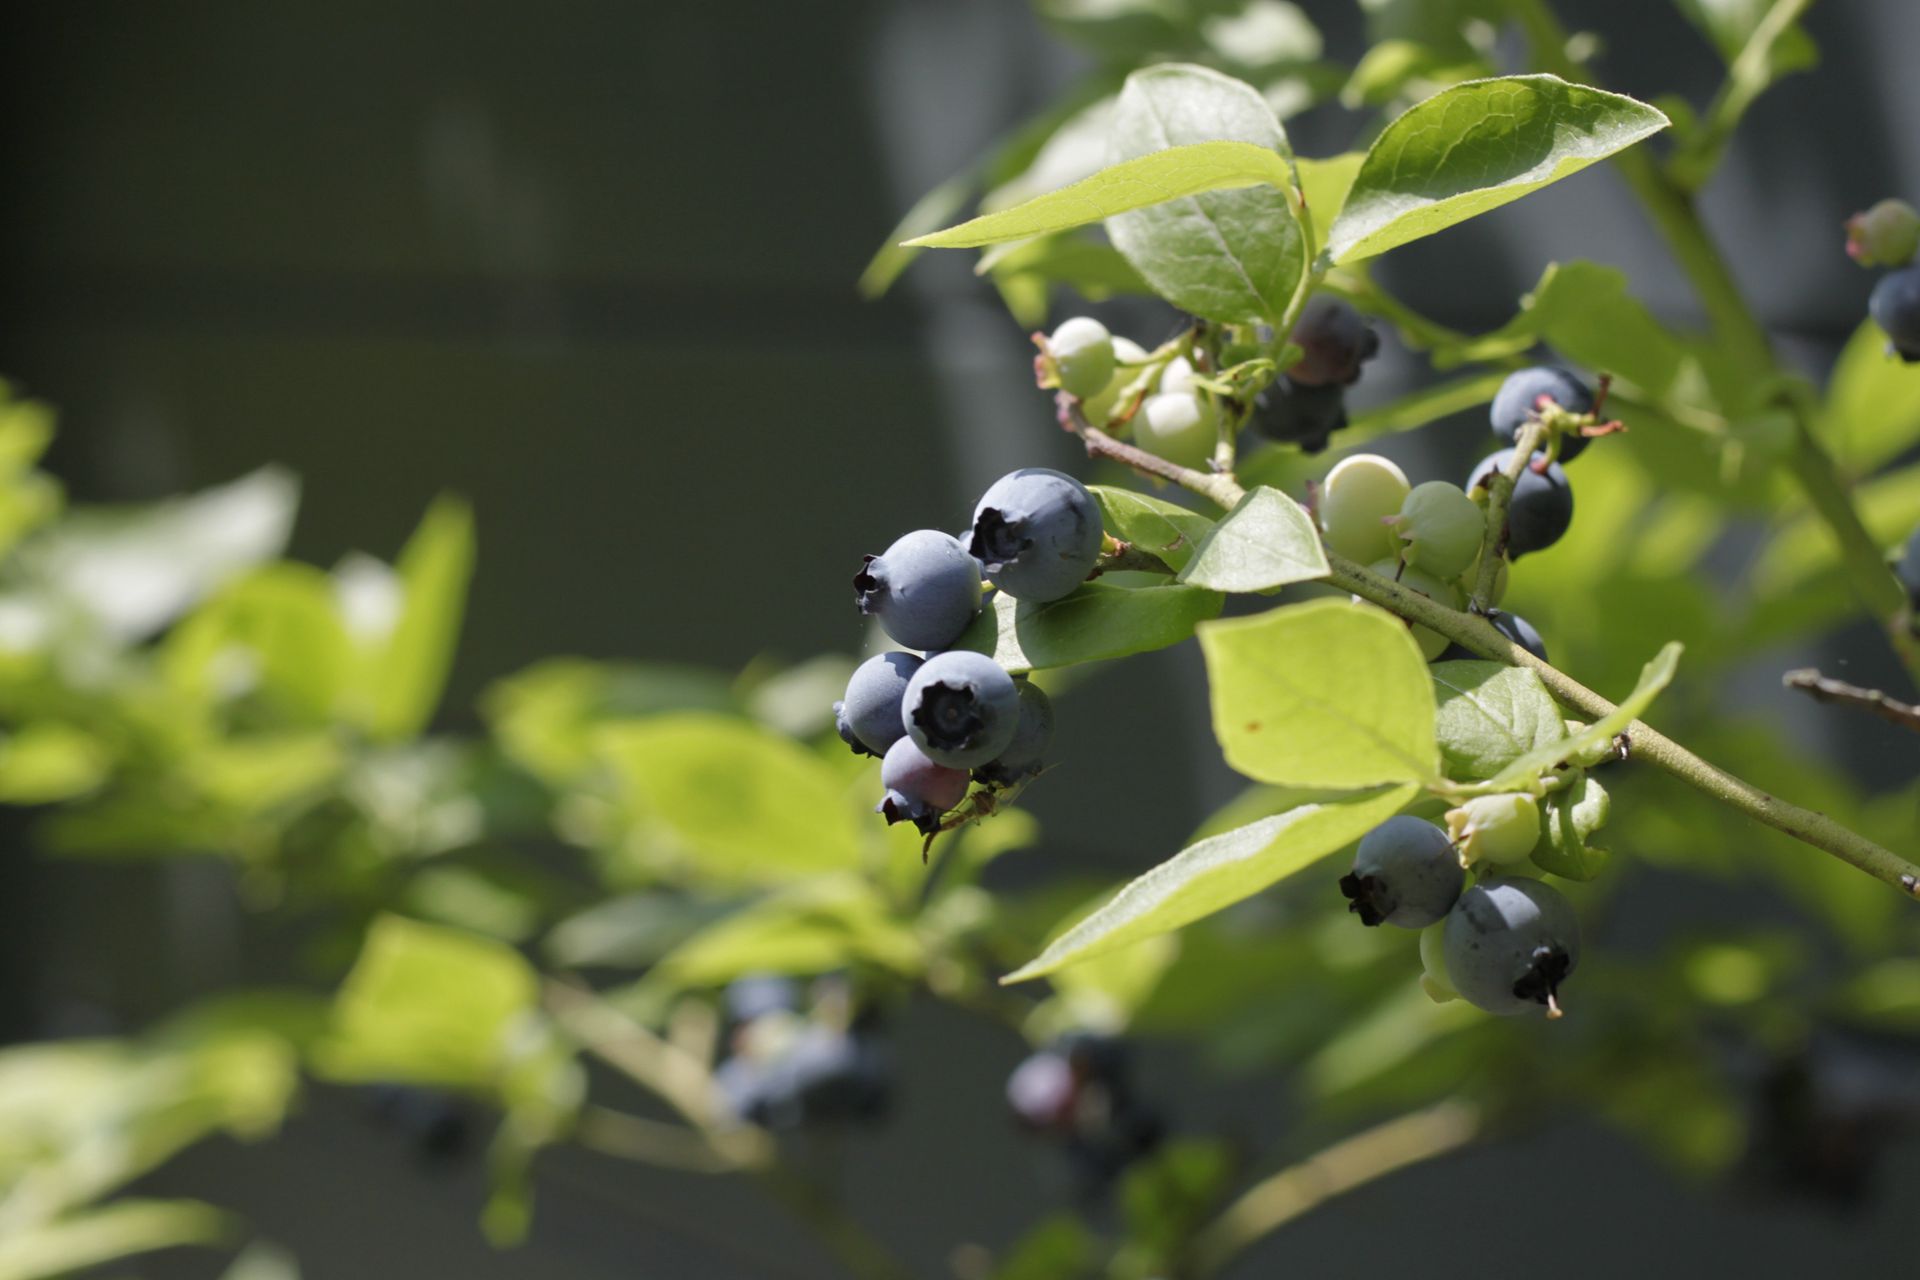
[718, 887]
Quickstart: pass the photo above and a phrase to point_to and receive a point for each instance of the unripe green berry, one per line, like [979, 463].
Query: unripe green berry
[1440, 528]
[1099, 409]
[1355, 498]
[1177, 376]
[1082, 352]
[1180, 426]
[1500, 829]
[1884, 236]
[1432, 643]
[1433, 964]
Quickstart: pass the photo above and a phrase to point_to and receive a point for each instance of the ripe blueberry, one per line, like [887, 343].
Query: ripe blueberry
[1336, 341]
[925, 589]
[1294, 413]
[1432, 643]
[1895, 307]
[1357, 495]
[868, 718]
[917, 789]
[1022, 757]
[757, 995]
[1180, 426]
[1520, 631]
[1038, 534]
[1405, 873]
[1497, 829]
[1082, 352]
[1519, 398]
[961, 708]
[1509, 945]
[1041, 1092]
[1541, 509]
[1439, 529]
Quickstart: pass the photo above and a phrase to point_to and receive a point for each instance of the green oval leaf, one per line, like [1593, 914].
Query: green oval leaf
[1152, 524]
[1489, 715]
[1169, 173]
[1475, 147]
[1218, 872]
[1097, 621]
[1323, 694]
[1266, 541]
[1236, 256]
[1568, 818]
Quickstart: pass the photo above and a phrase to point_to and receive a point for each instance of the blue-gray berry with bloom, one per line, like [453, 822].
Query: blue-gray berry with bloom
[917, 789]
[1519, 399]
[961, 708]
[1335, 340]
[1027, 753]
[1541, 509]
[1038, 534]
[924, 589]
[1895, 307]
[868, 718]
[1405, 873]
[1510, 943]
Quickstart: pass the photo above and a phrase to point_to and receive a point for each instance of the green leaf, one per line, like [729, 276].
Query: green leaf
[723, 801]
[1060, 1247]
[1568, 819]
[1266, 541]
[1585, 311]
[1322, 694]
[40, 1251]
[1171, 173]
[1730, 24]
[429, 1005]
[49, 760]
[927, 214]
[435, 568]
[262, 1261]
[1218, 872]
[1476, 147]
[1324, 185]
[1489, 714]
[1091, 268]
[816, 928]
[1872, 413]
[1096, 622]
[274, 636]
[1654, 677]
[1234, 256]
[1167, 530]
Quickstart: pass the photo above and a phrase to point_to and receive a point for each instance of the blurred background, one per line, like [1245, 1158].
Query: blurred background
[593, 267]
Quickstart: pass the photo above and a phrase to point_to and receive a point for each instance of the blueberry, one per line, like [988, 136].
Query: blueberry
[1405, 873]
[1024, 756]
[757, 995]
[1357, 495]
[1909, 569]
[1099, 409]
[1041, 1092]
[1082, 353]
[1509, 945]
[925, 589]
[1498, 829]
[1294, 413]
[1519, 396]
[835, 1076]
[1541, 509]
[1439, 529]
[961, 708]
[1180, 426]
[1520, 631]
[1432, 643]
[1895, 307]
[868, 718]
[439, 1126]
[1038, 534]
[1336, 340]
[917, 789]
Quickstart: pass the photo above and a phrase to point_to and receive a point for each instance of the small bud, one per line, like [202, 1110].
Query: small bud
[1884, 236]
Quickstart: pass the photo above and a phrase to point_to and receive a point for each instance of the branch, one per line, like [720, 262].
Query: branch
[1371, 1154]
[1493, 544]
[1223, 490]
[1873, 701]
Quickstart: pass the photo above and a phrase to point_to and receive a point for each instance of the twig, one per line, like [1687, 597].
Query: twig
[1125, 557]
[1827, 689]
[1282, 1197]
[1500, 486]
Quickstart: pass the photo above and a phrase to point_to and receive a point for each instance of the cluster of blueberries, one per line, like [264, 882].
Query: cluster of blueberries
[788, 1067]
[1173, 410]
[1888, 235]
[1503, 944]
[1078, 1093]
[943, 716]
